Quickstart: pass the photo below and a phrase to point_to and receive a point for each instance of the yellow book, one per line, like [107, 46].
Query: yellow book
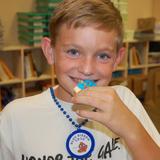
[7, 70]
[3, 74]
[134, 56]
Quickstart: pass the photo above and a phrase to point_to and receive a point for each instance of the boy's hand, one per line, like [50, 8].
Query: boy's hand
[111, 111]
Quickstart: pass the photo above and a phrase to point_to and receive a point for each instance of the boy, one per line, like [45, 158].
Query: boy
[85, 44]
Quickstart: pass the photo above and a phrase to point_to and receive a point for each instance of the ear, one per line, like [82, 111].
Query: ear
[47, 50]
[119, 58]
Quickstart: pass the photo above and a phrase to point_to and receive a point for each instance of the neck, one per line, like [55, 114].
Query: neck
[62, 94]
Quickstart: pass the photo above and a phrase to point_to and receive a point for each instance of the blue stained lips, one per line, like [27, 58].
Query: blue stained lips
[86, 83]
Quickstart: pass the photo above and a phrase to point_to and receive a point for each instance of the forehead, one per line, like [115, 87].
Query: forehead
[88, 35]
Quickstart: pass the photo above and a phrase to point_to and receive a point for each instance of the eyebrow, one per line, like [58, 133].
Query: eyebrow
[108, 48]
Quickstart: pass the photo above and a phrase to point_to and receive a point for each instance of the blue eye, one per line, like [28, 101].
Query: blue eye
[103, 56]
[73, 52]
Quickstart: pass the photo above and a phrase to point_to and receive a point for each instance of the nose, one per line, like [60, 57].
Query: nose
[87, 66]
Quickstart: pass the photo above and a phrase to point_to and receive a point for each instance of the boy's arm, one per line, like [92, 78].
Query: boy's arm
[5, 138]
[141, 144]
[113, 113]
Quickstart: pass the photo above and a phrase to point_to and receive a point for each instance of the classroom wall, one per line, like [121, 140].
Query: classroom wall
[8, 9]
[156, 7]
[138, 9]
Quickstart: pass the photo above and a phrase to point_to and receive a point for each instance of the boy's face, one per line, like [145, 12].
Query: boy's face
[84, 53]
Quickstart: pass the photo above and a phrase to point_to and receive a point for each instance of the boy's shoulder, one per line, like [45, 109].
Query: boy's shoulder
[121, 89]
[126, 95]
[27, 103]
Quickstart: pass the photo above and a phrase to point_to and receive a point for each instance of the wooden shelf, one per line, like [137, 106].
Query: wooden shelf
[11, 81]
[14, 57]
[22, 84]
[138, 66]
[41, 78]
[154, 65]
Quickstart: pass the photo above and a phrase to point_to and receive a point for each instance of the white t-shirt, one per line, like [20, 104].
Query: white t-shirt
[33, 128]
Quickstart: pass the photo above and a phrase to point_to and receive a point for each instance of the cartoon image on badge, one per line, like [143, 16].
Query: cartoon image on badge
[82, 147]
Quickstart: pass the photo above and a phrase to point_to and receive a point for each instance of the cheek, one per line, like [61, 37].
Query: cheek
[105, 70]
[63, 65]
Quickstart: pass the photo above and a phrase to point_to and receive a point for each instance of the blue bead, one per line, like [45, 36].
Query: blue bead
[57, 103]
[76, 125]
[61, 109]
[64, 112]
[67, 116]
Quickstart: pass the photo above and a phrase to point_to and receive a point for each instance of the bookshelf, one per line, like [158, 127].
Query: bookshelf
[132, 70]
[24, 82]
[138, 62]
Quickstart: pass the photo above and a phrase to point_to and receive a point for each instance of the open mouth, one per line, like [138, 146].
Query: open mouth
[77, 80]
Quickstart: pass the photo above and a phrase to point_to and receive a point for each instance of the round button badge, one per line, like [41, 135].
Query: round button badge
[80, 144]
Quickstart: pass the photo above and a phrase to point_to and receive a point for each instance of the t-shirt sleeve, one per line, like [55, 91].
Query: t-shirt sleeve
[136, 107]
[6, 146]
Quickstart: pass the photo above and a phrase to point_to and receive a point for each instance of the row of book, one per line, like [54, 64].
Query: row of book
[31, 69]
[46, 5]
[135, 57]
[32, 26]
[30, 66]
[119, 74]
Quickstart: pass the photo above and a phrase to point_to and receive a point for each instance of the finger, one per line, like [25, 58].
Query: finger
[88, 100]
[96, 116]
[104, 93]
[94, 89]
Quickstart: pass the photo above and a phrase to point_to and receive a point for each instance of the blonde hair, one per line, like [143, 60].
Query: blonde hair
[80, 13]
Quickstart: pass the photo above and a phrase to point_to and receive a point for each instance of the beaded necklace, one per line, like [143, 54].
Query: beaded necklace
[80, 143]
[78, 126]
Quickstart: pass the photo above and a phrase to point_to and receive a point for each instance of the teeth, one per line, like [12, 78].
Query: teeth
[77, 80]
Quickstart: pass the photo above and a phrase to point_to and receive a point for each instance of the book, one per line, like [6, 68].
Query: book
[134, 56]
[32, 65]
[3, 74]
[28, 72]
[7, 70]
[134, 71]
[30, 69]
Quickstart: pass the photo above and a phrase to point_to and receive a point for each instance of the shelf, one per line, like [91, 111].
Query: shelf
[14, 58]
[16, 47]
[154, 65]
[41, 78]
[12, 81]
[128, 69]
[137, 66]
[119, 68]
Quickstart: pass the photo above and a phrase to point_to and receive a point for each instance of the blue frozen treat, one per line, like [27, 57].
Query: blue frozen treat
[84, 84]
